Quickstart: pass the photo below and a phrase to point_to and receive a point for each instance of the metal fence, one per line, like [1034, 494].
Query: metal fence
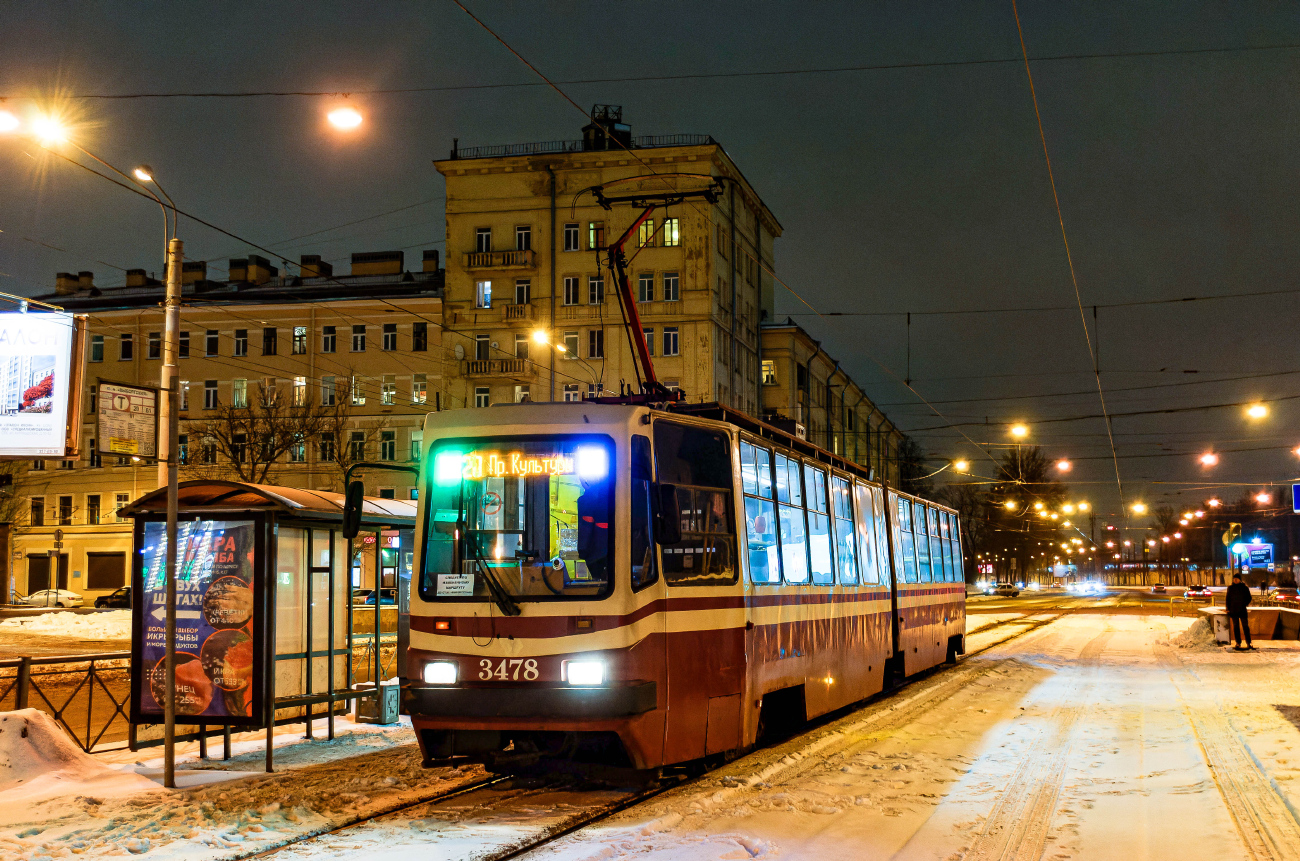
[88, 694]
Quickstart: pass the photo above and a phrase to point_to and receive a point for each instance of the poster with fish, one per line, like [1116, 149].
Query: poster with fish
[216, 615]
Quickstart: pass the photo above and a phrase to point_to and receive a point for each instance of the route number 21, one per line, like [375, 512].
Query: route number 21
[508, 669]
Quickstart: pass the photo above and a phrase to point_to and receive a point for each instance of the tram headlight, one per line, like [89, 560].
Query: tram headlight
[440, 673]
[585, 674]
[592, 462]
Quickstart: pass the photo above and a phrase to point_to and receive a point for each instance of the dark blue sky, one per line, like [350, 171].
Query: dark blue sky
[899, 190]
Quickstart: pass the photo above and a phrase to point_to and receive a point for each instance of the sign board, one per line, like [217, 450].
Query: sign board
[1260, 555]
[37, 396]
[1295, 498]
[128, 420]
[219, 613]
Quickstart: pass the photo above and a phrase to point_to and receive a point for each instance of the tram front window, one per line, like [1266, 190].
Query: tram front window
[533, 517]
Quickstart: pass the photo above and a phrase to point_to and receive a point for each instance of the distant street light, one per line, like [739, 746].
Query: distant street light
[1139, 508]
[1009, 505]
[1019, 431]
[1263, 498]
[8, 122]
[1256, 411]
[1178, 535]
[1083, 506]
[1064, 465]
[345, 118]
[1209, 459]
[961, 465]
[1067, 508]
[49, 130]
[1213, 503]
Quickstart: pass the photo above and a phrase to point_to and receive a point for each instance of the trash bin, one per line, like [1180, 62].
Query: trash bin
[384, 711]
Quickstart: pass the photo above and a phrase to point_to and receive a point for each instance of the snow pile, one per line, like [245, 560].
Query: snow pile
[113, 625]
[37, 758]
[1199, 633]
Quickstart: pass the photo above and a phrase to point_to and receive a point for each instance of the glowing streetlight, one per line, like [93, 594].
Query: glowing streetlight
[1128, 543]
[1067, 524]
[1064, 465]
[1199, 513]
[541, 337]
[1213, 503]
[143, 173]
[1178, 535]
[1019, 431]
[8, 122]
[1053, 515]
[1182, 521]
[1009, 505]
[1139, 508]
[1038, 506]
[344, 119]
[1296, 451]
[49, 130]
[1263, 498]
[1256, 411]
[1067, 508]
[1083, 506]
[1110, 544]
[1209, 459]
[960, 465]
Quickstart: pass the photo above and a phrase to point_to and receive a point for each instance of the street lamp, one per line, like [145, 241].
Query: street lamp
[1209, 459]
[1139, 508]
[1009, 505]
[1064, 465]
[8, 122]
[1256, 411]
[961, 465]
[1263, 498]
[1019, 431]
[345, 118]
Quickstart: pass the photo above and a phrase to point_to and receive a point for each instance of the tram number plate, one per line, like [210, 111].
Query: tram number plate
[508, 670]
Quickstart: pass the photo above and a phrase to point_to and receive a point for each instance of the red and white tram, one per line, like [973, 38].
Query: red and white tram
[644, 586]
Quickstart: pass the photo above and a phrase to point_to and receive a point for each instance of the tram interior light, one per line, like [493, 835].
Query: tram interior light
[585, 674]
[593, 464]
[440, 673]
[448, 467]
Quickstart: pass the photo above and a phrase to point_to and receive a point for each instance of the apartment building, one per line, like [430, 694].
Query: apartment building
[368, 343]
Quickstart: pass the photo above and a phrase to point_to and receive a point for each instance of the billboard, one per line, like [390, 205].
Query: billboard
[219, 610]
[127, 419]
[37, 371]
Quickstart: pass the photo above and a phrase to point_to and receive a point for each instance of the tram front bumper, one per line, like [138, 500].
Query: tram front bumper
[530, 701]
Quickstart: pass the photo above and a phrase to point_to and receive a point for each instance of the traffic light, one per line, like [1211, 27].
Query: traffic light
[1232, 533]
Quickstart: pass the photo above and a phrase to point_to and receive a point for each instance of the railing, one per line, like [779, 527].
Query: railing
[500, 259]
[88, 694]
[547, 147]
[494, 367]
[519, 312]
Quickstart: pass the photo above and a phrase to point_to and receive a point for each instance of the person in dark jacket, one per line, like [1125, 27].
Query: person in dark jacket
[1237, 601]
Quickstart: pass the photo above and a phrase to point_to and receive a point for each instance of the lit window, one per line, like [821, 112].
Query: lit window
[482, 294]
[419, 389]
[645, 234]
[670, 234]
[299, 340]
[388, 389]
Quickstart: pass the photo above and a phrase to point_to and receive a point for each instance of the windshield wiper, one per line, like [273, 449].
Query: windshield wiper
[500, 596]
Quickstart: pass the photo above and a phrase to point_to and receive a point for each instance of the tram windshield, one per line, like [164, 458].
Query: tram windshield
[528, 517]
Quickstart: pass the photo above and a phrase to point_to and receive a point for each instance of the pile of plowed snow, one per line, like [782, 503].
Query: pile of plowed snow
[37, 758]
[113, 625]
[1199, 633]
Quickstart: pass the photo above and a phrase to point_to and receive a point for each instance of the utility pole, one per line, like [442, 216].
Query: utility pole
[167, 474]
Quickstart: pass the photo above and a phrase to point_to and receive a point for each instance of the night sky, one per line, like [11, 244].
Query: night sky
[916, 189]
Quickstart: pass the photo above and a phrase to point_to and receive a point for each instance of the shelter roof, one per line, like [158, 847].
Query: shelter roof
[227, 496]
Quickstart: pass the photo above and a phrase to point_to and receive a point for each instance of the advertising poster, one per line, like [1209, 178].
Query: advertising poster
[128, 419]
[216, 614]
[35, 371]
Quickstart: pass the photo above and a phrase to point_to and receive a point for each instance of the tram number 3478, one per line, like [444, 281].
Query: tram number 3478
[508, 669]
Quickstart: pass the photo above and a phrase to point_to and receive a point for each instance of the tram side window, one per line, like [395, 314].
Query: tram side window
[842, 503]
[790, 520]
[819, 526]
[883, 559]
[760, 516]
[922, 543]
[905, 544]
[951, 549]
[698, 462]
[643, 549]
[941, 573]
[869, 549]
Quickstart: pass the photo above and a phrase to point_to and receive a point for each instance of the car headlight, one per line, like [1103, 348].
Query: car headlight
[440, 673]
[585, 673]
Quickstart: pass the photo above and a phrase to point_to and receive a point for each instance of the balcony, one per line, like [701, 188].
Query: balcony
[501, 259]
[500, 369]
[518, 313]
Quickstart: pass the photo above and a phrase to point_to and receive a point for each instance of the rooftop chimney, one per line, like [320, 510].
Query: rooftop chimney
[378, 263]
[238, 270]
[431, 260]
[260, 270]
[194, 270]
[86, 279]
[606, 129]
[65, 283]
[313, 267]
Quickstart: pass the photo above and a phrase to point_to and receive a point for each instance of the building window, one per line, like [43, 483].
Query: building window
[328, 340]
[570, 345]
[239, 393]
[645, 287]
[388, 445]
[358, 394]
[670, 341]
[649, 333]
[571, 237]
[92, 508]
[482, 396]
[390, 337]
[482, 294]
[595, 290]
[591, 391]
[359, 338]
[238, 447]
[37, 517]
[521, 347]
[298, 450]
[120, 501]
[327, 448]
[387, 493]
[269, 341]
[327, 392]
[299, 340]
[769, 372]
[595, 235]
[357, 446]
[300, 391]
[183, 448]
[209, 394]
[645, 234]
[482, 347]
[571, 393]
[670, 235]
[419, 389]
[153, 347]
[67, 464]
[388, 389]
[65, 510]
[596, 344]
[417, 439]
[183, 347]
[92, 454]
[96, 348]
[211, 342]
[572, 292]
[523, 291]
[420, 337]
[671, 293]
[126, 349]
[183, 387]
[94, 400]
[241, 342]
[483, 240]
[522, 394]
[38, 466]
[523, 238]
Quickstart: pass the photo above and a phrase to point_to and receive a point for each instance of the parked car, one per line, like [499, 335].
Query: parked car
[54, 598]
[386, 596]
[1005, 590]
[121, 599]
[1285, 595]
[360, 596]
[1197, 591]
[1158, 589]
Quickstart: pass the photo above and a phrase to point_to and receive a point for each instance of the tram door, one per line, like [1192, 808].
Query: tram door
[705, 658]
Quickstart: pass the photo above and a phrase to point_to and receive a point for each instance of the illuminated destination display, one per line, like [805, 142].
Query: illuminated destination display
[499, 464]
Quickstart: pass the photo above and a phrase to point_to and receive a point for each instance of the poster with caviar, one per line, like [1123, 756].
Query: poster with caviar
[216, 616]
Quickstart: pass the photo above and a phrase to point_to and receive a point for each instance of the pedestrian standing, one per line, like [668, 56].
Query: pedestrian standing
[1238, 600]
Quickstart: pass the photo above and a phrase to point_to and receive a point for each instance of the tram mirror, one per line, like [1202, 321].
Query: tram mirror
[668, 517]
[352, 504]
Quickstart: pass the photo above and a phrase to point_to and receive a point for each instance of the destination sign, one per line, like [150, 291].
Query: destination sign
[501, 464]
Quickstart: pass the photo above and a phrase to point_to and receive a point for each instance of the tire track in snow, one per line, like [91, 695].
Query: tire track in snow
[1018, 825]
[1269, 827]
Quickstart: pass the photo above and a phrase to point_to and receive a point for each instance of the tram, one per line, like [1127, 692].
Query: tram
[648, 585]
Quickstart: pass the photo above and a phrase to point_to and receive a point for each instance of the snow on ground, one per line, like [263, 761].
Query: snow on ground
[38, 761]
[109, 625]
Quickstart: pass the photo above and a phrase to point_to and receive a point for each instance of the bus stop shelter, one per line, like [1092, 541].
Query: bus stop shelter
[264, 612]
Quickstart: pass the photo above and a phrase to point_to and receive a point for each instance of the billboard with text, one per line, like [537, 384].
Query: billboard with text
[37, 374]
